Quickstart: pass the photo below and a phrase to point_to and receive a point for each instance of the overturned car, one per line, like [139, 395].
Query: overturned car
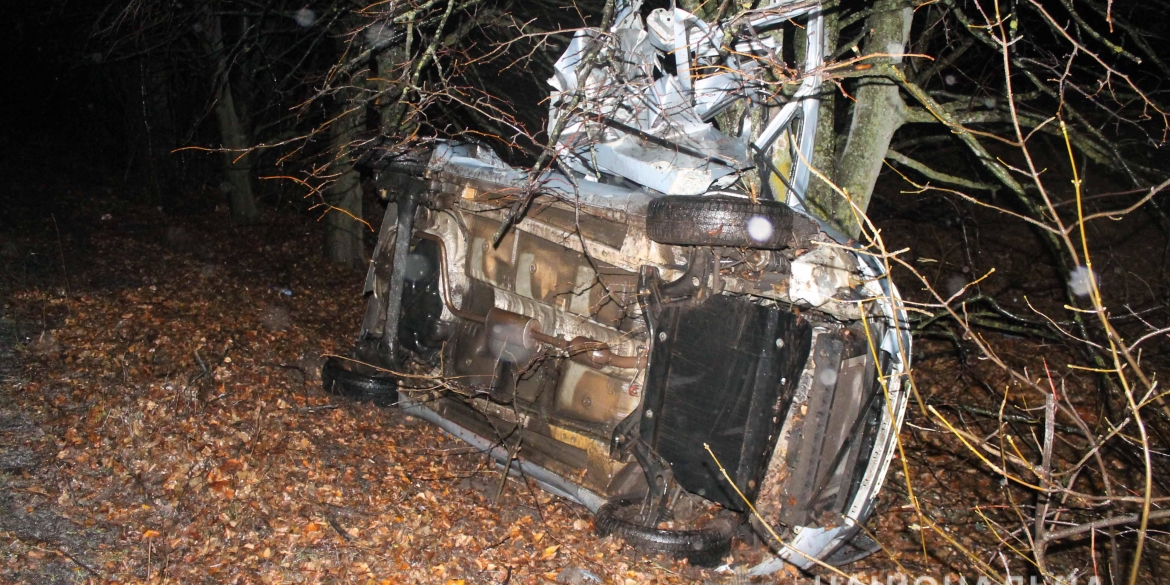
[673, 341]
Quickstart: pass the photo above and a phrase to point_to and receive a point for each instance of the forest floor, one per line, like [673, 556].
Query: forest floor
[162, 420]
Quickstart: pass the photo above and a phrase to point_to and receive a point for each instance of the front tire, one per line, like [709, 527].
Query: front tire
[704, 548]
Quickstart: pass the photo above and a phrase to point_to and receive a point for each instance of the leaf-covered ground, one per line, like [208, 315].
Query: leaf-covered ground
[161, 420]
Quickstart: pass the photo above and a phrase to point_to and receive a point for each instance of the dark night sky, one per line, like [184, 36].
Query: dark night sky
[49, 84]
[34, 70]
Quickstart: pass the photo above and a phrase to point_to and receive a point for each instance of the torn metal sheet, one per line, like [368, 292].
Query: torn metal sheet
[642, 108]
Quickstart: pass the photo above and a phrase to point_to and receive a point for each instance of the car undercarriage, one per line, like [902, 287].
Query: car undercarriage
[654, 328]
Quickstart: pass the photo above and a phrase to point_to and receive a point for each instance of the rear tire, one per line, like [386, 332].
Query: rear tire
[339, 380]
[726, 221]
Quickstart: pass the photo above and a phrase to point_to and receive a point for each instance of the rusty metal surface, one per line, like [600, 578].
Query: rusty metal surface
[813, 276]
[586, 394]
[554, 275]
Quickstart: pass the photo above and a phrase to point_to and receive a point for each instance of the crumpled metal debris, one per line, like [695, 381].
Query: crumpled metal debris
[653, 88]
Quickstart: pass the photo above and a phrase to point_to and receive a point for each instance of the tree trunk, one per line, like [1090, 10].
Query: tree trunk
[343, 230]
[877, 113]
[154, 121]
[395, 117]
[235, 136]
[237, 168]
[824, 158]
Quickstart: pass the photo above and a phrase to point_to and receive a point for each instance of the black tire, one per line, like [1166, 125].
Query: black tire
[407, 167]
[702, 548]
[378, 157]
[723, 221]
[340, 381]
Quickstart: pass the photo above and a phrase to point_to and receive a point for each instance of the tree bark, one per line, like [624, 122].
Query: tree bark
[343, 230]
[394, 117]
[877, 114]
[235, 136]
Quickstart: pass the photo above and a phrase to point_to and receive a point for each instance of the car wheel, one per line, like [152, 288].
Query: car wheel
[726, 221]
[341, 381]
[704, 548]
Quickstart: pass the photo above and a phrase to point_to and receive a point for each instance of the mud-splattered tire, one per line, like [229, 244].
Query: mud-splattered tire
[726, 221]
[338, 380]
[703, 548]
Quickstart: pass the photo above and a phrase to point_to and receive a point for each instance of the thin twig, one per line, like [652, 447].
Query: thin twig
[61, 251]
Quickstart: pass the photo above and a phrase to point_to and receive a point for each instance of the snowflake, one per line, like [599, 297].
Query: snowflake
[759, 228]
[305, 17]
[1079, 281]
[379, 33]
